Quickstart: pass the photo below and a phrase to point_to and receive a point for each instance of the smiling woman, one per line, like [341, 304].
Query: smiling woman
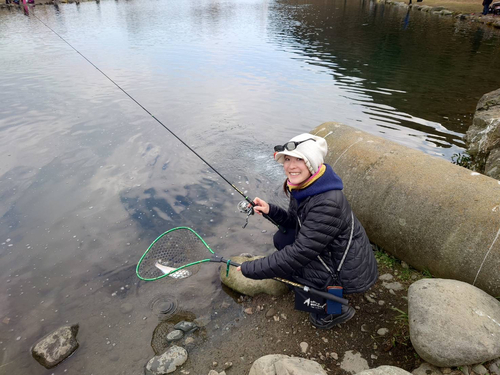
[325, 245]
[296, 170]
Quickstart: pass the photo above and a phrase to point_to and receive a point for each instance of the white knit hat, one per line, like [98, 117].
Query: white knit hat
[312, 152]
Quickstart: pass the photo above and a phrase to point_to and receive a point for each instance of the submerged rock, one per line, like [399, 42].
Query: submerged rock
[167, 362]
[56, 346]
[453, 323]
[185, 326]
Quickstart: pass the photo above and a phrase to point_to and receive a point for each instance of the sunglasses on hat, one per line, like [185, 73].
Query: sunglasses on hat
[290, 146]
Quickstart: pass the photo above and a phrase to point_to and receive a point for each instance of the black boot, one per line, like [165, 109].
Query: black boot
[324, 321]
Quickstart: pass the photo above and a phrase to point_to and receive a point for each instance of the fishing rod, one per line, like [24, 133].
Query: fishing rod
[244, 206]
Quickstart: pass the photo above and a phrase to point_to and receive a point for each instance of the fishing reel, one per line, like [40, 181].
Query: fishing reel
[247, 209]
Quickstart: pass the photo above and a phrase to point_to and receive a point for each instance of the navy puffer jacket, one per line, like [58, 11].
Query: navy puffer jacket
[322, 221]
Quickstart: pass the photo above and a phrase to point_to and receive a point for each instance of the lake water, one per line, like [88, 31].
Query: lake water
[88, 179]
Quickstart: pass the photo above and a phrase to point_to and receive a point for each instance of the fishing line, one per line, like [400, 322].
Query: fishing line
[248, 211]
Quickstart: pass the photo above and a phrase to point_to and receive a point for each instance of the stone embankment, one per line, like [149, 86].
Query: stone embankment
[483, 137]
[442, 11]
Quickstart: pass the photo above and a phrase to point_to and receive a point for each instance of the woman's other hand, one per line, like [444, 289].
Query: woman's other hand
[261, 206]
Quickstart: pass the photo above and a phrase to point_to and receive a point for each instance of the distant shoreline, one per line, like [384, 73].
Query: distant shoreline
[429, 6]
[3, 5]
[489, 20]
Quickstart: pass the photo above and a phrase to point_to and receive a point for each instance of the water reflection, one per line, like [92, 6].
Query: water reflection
[152, 209]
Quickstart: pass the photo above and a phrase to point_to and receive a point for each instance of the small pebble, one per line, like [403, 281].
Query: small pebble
[382, 331]
[271, 312]
[303, 347]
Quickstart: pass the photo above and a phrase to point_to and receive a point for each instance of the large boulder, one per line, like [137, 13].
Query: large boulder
[56, 346]
[279, 364]
[483, 136]
[236, 281]
[453, 323]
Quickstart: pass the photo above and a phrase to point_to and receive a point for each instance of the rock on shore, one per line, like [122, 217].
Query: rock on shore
[483, 137]
[453, 323]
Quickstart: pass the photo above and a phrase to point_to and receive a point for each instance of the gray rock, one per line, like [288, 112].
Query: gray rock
[303, 347]
[249, 287]
[426, 369]
[175, 335]
[167, 362]
[369, 299]
[479, 369]
[278, 364]
[382, 331]
[56, 346]
[384, 370]
[185, 326]
[494, 369]
[271, 312]
[393, 286]
[386, 277]
[453, 323]
[483, 137]
[202, 321]
[353, 362]
[126, 308]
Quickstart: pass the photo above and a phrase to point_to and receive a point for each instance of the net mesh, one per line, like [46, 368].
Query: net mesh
[172, 250]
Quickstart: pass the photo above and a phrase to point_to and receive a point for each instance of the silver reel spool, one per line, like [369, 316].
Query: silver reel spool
[247, 209]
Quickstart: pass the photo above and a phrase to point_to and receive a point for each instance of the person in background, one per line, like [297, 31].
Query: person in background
[324, 244]
[486, 6]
